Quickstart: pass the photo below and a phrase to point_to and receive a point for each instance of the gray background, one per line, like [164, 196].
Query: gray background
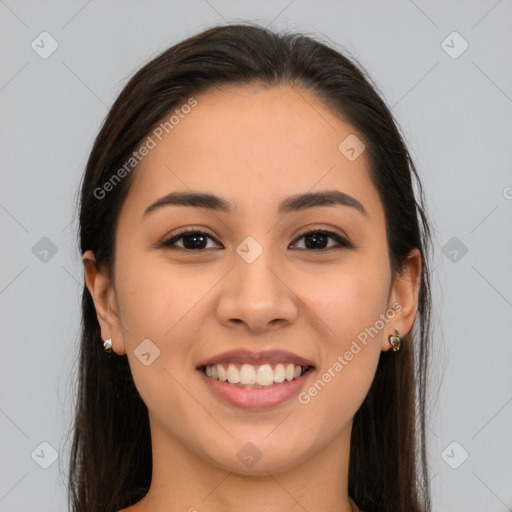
[454, 112]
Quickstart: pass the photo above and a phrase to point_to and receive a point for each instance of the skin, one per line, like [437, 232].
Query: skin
[254, 147]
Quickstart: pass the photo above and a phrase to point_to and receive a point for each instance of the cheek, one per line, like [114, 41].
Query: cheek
[349, 298]
[164, 304]
[155, 297]
[350, 312]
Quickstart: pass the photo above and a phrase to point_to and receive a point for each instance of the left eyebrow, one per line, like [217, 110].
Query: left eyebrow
[323, 198]
[290, 204]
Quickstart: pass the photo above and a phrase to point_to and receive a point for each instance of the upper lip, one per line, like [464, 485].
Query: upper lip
[246, 356]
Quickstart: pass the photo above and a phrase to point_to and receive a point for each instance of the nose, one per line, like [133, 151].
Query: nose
[257, 295]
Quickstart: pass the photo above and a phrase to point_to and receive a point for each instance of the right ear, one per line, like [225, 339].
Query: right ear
[105, 303]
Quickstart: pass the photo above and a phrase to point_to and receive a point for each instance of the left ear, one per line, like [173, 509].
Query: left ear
[403, 298]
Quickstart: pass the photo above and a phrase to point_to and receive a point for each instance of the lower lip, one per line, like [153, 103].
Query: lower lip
[257, 398]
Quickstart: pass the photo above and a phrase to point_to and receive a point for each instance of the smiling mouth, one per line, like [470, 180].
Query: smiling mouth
[255, 376]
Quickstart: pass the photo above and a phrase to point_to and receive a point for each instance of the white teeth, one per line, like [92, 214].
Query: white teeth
[221, 372]
[279, 373]
[265, 375]
[288, 373]
[233, 374]
[250, 375]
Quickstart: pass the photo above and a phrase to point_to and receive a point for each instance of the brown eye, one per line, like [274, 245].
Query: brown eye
[317, 239]
[193, 240]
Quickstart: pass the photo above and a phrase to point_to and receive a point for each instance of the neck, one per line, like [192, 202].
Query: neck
[184, 479]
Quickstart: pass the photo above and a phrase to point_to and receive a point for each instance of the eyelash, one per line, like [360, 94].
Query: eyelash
[342, 243]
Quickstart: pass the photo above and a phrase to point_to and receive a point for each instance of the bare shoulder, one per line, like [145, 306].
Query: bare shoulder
[133, 508]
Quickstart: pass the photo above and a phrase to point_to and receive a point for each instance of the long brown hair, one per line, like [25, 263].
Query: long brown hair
[111, 460]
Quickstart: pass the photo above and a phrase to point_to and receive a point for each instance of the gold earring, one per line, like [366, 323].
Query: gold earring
[394, 340]
[107, 345]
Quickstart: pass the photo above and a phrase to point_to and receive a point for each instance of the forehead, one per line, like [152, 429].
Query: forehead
[253, 145]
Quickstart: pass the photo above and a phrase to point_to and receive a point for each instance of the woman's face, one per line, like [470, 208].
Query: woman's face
[250, 280]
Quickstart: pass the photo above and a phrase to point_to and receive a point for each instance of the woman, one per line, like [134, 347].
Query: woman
[255, 259]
